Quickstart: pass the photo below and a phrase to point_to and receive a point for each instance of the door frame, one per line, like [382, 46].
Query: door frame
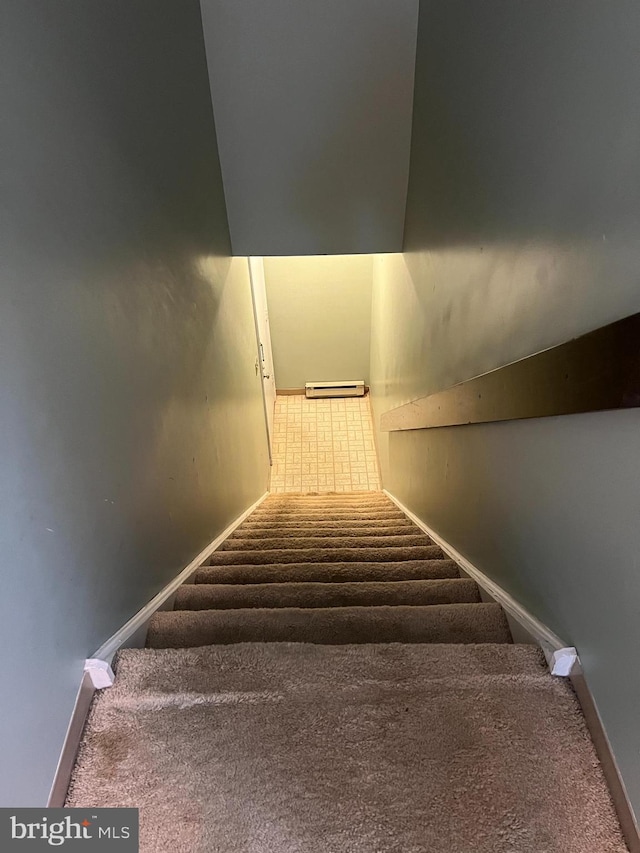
[257, 279]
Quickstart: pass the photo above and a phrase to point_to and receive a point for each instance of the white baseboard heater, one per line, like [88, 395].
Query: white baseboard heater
[353, 388]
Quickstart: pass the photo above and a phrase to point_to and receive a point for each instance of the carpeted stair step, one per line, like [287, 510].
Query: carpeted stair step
[328, 572]
[352, 525]
[330, 521]
[340, 499]
[326, 512]
[332, 506]
[350, 498]
[279, 543]
[293, 747]
[332, 494]
[324, 532]
[243, 667]
[351, 594]
[328, 555]
[436, 623]
[278, 504]
[386, 519]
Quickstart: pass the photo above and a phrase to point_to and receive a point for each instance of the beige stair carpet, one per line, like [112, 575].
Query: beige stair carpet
[272, 531]
[328, 572]
[435, 623]
[311, 541]
[329, 684]
[201, 596]
[296, 748]
[278, 605]
[324, 554]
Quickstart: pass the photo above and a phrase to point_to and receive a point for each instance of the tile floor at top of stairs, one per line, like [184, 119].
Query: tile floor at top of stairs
[323, 445]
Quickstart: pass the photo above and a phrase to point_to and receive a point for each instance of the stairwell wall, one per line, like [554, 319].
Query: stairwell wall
[131, 421]
[521, 233]
[320, 317]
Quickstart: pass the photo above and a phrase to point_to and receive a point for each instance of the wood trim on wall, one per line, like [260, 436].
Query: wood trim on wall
[596, 372]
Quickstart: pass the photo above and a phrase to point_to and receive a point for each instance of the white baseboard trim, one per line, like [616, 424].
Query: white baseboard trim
[137, 624]
[133, 633]
[60, 785]
[534, 628]
[617, 787]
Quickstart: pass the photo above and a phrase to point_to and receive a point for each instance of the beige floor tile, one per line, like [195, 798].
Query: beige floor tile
[323, 445]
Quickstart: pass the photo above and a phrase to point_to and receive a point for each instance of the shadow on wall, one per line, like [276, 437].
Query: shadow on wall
[526, 123]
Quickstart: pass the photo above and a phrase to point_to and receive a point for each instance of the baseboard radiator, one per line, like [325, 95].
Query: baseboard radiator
[350, 388]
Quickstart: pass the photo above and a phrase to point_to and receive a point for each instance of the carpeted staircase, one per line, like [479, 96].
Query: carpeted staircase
[330, 684]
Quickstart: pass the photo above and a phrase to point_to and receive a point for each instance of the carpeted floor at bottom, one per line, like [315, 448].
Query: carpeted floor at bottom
[297, 748]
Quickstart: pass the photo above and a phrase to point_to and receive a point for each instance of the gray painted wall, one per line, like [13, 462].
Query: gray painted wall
[523, 231]
[320, 318]
[313, 109]
[131, 422]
